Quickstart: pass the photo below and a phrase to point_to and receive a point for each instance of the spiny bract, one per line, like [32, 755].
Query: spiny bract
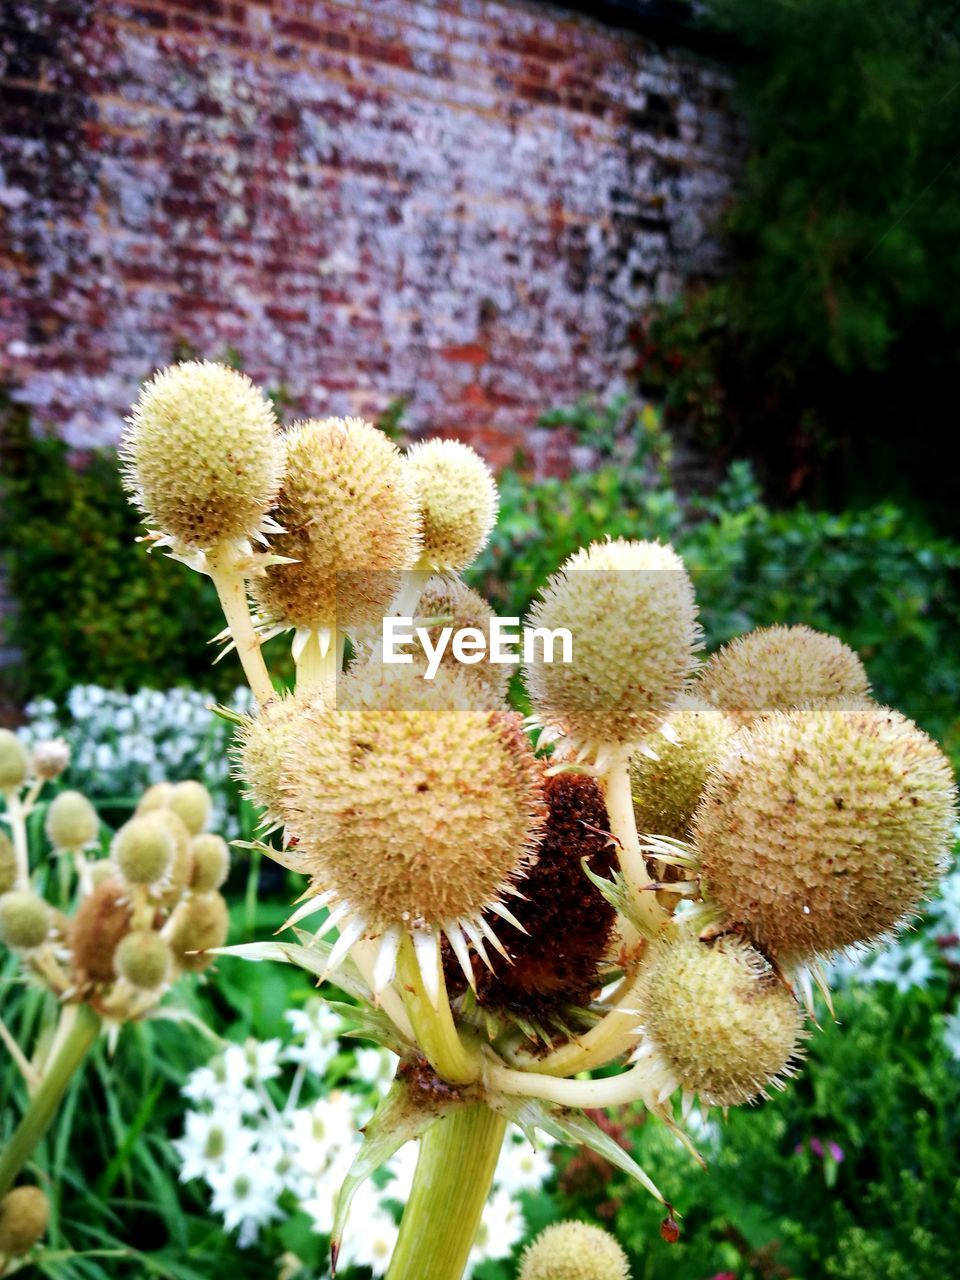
[348, 507]
[458, 502]
[632, 617]
[410, 800]
[574, 1251]
[202, 455]
[666, 790]
[72, 821]
[722, 1023]
[823, 827]
[14, 761]
[776, 668]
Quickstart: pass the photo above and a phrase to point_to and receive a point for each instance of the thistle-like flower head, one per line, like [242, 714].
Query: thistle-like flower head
[574, 1251]
[102, 919]
[143, 849]
[461, 607]
[210, 862]
[669, 773]
[14, 761]
[144, 959]
[191, 802]
[458, 502]
[72, 821]
[24, 1217]
[201, 924]
[25, 920]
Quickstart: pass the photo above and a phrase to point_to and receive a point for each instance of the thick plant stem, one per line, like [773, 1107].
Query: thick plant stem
[623, 826]
[59, 1071]
[433, 1024]
[458, 1156]
[319, 661]
[232, 591]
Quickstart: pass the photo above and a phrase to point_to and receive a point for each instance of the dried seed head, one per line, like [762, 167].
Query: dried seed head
[143, 959]
[824, 827]
[724, 1025]
[50, 758]
[24, 1217]
[666, 790]
[211, 862]
[72, 821]
[8, 864]
[260, 748]
[776, 668]
[24, 920]
[347, 507]
[155, 797]
[458, 502]
[574, 1251]
[102, 919]
[631, 613]
[461, 607]
[413, 801]
[202, 455]
[143, 849]
[190, 801]
[14, 761]
[202, 922]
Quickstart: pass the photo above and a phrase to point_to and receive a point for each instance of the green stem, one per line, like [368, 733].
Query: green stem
[42, 1107]
[232, 592]
[458, 1156]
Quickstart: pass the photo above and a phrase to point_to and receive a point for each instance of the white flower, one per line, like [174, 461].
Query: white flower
[951, 1033]
[401, 1167]
[372, 1237]
[522, 1167]
[324, 1134]
[246, 1194]
[375, 1067]
[212, 1140]
[905, 965]
[945, 908]
[502, 1228]
[316, 1027]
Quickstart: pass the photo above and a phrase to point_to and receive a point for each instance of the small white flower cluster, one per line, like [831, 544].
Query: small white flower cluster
[265, 1147]
[121, 743]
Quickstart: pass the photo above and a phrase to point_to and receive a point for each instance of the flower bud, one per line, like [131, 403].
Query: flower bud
[143, 849]
[24, 920]
[776, 668]
[24, 1217]
[666, 790]
[630, 611]
[50, 759]
[574, 1251]
[202, 456]
[201, 923]
[458, 502]
[8, 864]
[722, 1022]
[143, 959]
[347, 507]
[103, 917]
[190, 801]
[155, 797]
[14, 761]
[72, 821]
[211, 862]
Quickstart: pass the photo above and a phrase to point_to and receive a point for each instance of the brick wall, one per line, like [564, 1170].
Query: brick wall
[459, 201]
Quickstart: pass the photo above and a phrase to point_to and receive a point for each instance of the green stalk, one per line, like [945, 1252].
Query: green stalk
[42, 1107]
[458, 1156]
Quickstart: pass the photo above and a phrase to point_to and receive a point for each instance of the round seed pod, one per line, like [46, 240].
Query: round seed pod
[348, 508]
[462, 607]
[14, 761]
[155, 797]
[72, 821]
[260, 749]
[102, 919]
[823, 827]
[143, 959]
[101, 870]
[724, 1025]
[211, 862]
[666, 790]
[777, 668]
[202, 922]
[143, 849]
[8, 864]
[50, 759]
[181, 868]
[24, 920]
[632, 618]
[458, 502]
[411, 799]
[191, 802]
[24, 1218]
[574, 1251]
[202, 456]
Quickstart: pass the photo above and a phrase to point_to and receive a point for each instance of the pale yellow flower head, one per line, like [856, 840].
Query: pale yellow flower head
[458, 502]
[574, 1251]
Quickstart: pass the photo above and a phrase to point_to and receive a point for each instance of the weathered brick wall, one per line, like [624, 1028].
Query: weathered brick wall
[459, 201]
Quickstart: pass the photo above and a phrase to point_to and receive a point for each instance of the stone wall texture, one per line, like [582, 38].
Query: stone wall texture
[460, 202]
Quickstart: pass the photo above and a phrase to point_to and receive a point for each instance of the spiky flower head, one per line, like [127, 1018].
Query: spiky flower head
[14, 761]
[50, 758]
[632, 618]
[24, 920]
[144, 959]
[72, 821]
[143, 849]
[8, 863]
[191, 802]
[348, 507]
[201, 923]
[155, 797]
[102, 919]
[414, 801]
[458, 502]
[202, 455]
[824, 827]
[669, 776]
[720, 1021]
[777, 668]
[460, 607]
[261, 747]
[211, 862]
[24, 1218]
[574, 1251]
